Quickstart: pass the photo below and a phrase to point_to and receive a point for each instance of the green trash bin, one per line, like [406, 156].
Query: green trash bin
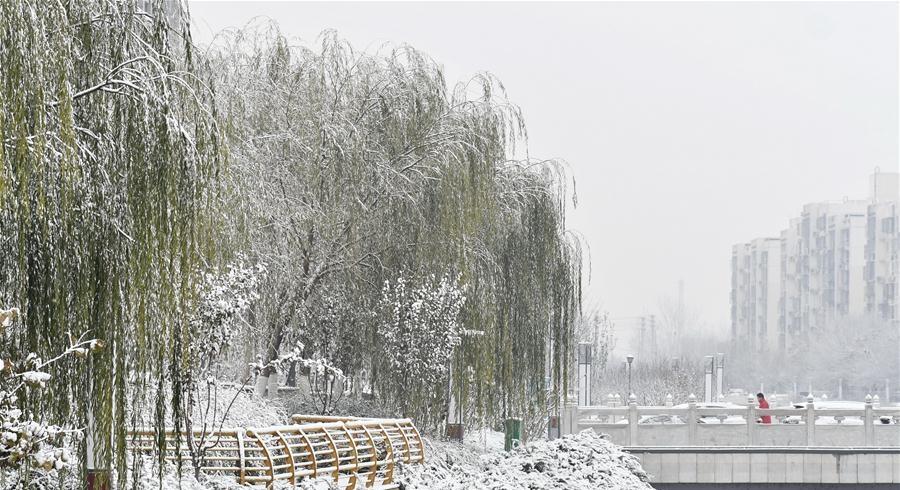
[513, 431]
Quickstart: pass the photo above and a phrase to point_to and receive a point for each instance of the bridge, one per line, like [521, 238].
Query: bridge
[695, 447]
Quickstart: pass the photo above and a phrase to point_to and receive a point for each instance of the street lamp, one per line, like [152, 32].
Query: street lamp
[629, 358]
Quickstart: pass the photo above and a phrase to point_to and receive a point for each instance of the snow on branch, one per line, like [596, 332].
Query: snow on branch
[25, 438]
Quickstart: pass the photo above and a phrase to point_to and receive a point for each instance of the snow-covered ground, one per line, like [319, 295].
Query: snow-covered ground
[577, 462]
[580, 461]
[247, 410]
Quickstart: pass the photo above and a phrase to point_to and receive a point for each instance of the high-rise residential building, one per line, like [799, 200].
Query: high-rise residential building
[756, 293]
[789, 318]
[881, 260]
[882, 246]
[884, 187]
[740, 292]
[830, 262]
[837, 259]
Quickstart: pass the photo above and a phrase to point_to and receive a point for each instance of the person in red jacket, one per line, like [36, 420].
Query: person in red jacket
[765, 419]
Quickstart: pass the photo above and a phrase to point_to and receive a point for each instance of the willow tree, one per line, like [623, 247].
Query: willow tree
[355, 168]
[326, 144]
[107, 152]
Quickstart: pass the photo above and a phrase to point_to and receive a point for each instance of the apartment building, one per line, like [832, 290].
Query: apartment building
[756, 293]
[837, 259]
[789, 310]
[882, 245]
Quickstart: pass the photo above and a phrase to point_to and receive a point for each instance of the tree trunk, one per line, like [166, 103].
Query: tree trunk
[249, 348]
[292, 375]
[271, 354]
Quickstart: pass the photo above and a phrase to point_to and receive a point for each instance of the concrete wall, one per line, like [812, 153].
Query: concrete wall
[736, 435]
[795, 466]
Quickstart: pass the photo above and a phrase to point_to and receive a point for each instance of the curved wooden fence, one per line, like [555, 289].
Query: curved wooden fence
[355, 452]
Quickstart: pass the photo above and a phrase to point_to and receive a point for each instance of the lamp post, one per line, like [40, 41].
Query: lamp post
[629, 358]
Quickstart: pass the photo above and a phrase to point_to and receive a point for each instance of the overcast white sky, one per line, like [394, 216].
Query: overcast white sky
[688, 126]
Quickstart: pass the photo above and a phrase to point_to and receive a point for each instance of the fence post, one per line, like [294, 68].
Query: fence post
[456, 430]
[867, 422]
[569, 422]
[720, 376]
[585, 361]
[751, 418]
[98, 475]
[632, 420]
[710, 362]
[692, 419]
[810, 421]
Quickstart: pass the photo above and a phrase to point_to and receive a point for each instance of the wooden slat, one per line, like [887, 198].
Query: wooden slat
[334, 449]
[290, 456]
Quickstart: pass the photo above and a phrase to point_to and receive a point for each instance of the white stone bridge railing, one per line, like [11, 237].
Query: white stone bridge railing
[644, 426]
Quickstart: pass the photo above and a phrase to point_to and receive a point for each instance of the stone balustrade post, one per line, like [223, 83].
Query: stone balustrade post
[692, 420]
[632, 420]
[617, 401]
[569, 422]
[868, 422]
[751, 419]
[810, 421]
[610, 402]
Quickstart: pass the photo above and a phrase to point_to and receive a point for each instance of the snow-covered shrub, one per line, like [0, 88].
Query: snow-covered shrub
[223, 299]
[27, 441]
[419, 331]
[422, 328]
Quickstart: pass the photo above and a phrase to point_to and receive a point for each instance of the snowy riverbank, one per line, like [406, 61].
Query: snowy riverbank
[576, 462]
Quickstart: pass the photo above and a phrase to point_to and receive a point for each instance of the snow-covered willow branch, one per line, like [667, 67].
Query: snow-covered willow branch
[110, 158]
[26, 439]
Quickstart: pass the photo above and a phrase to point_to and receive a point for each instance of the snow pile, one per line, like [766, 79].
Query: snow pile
[240, 408]
[149, 480]
[228, 406]
[580, 461]
[485, 440]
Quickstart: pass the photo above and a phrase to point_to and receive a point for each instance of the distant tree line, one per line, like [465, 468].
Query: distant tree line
[858, 352]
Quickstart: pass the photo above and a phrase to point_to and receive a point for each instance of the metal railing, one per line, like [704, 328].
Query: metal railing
[355, 452]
